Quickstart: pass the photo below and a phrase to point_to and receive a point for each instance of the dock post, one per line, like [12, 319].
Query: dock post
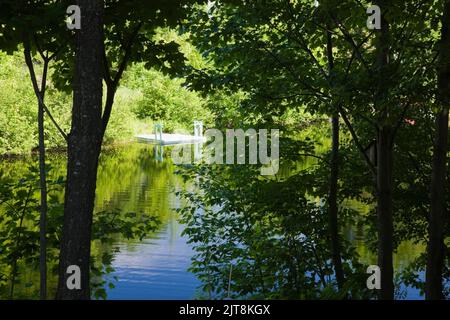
[159, 152]
[158, 132]
[198, 129]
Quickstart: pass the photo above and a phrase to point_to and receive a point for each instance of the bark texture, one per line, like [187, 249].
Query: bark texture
[84, 144]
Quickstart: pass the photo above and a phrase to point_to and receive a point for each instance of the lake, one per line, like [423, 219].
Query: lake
[157, 267]
[132, 178]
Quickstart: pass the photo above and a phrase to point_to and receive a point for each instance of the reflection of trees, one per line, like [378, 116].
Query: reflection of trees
[130, 179]
[130, 183]
[272, 233]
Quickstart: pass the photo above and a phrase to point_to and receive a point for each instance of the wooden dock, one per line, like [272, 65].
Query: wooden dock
[170, 139]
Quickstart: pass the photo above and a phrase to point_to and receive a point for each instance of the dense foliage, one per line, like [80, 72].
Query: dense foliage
[145, 97]
[363, 115]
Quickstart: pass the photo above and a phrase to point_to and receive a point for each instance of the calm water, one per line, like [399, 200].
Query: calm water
[157, 267]
[132, 179]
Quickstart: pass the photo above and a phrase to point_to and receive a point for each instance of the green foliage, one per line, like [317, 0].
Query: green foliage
[256, 63]
[145, 96]
[18, 132]
[19, 232]
[271, 232]
[276, 53]
[124, 124]
[166, 100]
[18, 120]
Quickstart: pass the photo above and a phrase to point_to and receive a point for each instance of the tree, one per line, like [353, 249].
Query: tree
[288, 37]
[385, 142]
[436, 246]
[120, 32]
[40, 19]
[387, 79]
[333, 223]
[384, 66]
[83, 150]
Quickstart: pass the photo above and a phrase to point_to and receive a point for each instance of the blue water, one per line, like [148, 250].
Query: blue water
[155, 268]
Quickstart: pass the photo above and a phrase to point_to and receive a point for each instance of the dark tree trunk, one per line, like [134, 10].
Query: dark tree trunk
[384, 160]
[83, 150]
[333, 225]
[384, 211]
[333, 206]
[43, 217]
[40, 95]
[435, 249]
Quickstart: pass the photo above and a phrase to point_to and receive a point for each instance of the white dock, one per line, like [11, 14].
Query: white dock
[170, 138]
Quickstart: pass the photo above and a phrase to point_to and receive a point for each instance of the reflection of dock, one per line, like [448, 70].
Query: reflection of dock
[170, 138]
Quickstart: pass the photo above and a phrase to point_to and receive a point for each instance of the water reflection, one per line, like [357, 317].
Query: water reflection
[140, 178]
[131, 178]
[155, 268]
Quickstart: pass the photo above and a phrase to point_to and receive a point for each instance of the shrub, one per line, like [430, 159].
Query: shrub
[166, 100]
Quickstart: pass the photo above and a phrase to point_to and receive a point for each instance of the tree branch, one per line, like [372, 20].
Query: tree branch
[356, 140]
[106, 70]
[316, 92]
[399, 122]
[113, 83]
[39, 92]
[349, 38]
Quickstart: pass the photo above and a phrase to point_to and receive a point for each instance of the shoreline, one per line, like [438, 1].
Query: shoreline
[58, 150]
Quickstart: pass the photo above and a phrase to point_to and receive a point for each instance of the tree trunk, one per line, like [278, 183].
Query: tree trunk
[83, 150]
[435, 249]
[384, 160]
[384, 211]
[333, 224]
[332, 205]
[43, 217]
[40, 95]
